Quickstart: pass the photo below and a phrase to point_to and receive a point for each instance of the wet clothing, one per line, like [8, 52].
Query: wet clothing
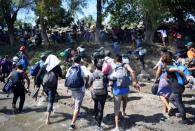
[52, 64]
[51, 92]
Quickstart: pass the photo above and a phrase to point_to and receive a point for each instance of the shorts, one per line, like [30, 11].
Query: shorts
[78, 99]
[117, 102]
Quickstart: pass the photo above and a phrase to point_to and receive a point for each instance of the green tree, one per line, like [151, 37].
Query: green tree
[76, 6]
[123, 12]
[99, 17]
[44, 9]
[88, 20]
[180, 9]
[9, 10]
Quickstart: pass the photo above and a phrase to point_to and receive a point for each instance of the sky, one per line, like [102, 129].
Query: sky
[28, 16]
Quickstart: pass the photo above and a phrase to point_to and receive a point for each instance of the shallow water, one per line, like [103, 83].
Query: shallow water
[144, 113]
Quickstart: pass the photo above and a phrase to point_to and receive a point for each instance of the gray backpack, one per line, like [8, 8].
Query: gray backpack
[50, 80]
[98, 85]
[122, 77]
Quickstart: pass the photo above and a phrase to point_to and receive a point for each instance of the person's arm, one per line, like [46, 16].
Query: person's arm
[191, 69]
[9, 76]
[135, 82]
[178, 71]
[27, 79]
[158, 73]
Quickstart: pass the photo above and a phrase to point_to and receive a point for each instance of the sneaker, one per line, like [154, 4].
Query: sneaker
[72, 127]
[99, 128]
[178, 115]
[124, 114]
[183, 122]
[170, 112]
[116, 129]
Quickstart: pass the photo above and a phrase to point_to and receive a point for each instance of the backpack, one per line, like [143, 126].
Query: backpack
[23, 61]
[122, 77]
[16, 80]
[74, 81]
[34, 69]
[50, 80]
[8, 86]
[98, 84]
[106, 67]
[180, 79]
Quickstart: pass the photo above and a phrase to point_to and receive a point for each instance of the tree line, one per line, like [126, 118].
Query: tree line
[122, 12]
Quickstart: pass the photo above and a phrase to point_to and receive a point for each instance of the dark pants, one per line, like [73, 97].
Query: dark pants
[19, 92]
[176, 100]
[51, 97]
[99, 102]
[141, 58]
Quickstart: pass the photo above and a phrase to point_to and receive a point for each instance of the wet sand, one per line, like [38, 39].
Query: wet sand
[144, 113]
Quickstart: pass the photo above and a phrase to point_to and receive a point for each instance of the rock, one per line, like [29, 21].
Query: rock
[144, 77]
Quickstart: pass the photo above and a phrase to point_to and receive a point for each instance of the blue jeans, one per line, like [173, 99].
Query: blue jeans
[51, 97]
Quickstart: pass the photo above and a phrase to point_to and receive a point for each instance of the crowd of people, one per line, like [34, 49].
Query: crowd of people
[97, 73]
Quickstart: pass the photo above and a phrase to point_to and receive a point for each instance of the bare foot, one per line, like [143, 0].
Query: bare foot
[47, 122]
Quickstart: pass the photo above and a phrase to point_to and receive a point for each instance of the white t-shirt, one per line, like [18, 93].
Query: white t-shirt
[163, 33]
[84, 73]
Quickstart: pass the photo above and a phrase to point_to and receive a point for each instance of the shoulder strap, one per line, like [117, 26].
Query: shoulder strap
[121, 65]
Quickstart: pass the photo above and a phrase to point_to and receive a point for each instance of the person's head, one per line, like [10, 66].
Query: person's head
[77, 59]
[189, 45]
[167, 58]
[43, 57]
[19, 67]
[162, 51]
[82, 46]
[107, 53]
[22, 49]
[99, 65]
[119, 58]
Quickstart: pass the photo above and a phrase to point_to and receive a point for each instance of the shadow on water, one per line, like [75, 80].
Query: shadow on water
[7, 111]
[134, 98]
[130, 120]
[64, 117]
[5, 98]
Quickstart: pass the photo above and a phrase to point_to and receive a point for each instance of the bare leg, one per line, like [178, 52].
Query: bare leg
[117, 120]
[165, 101]
[75, 114]
[124, 99]
[48, 114]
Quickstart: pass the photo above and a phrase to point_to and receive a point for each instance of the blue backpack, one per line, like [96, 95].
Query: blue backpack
[34, 69]
[74, 81]
[24, 62]
[180, 79]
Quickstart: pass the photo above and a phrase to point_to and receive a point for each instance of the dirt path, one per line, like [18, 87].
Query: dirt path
[144, 113]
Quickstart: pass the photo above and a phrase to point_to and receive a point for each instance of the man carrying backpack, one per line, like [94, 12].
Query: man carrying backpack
[120, 87]
[76, 78]
[17, 77]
